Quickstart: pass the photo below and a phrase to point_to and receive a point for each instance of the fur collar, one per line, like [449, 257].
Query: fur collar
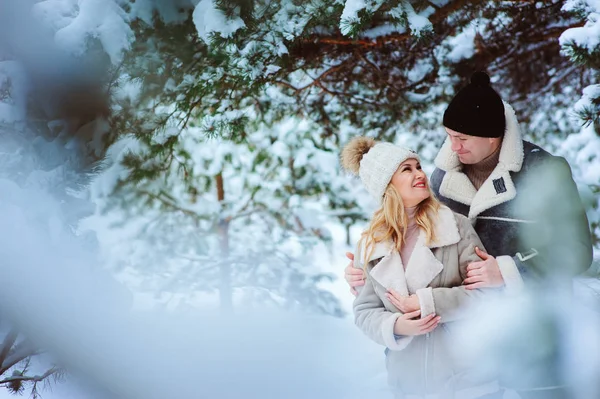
[499, 187]
[423, 266]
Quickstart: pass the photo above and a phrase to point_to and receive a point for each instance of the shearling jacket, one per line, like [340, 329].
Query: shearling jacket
[528, 212]
[424, 363]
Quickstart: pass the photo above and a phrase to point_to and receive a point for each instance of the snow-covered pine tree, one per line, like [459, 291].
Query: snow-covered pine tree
[384, 67]
[228, 212]
[582, 46]
[233, 71]
[53, 131]
[234, 217]
[227, 69]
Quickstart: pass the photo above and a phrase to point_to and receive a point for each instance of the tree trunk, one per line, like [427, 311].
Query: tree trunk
[225, 291]
[348, 242]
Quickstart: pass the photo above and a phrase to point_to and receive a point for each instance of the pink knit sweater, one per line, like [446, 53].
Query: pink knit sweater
[411, 236]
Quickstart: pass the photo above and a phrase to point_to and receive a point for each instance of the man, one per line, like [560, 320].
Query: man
[522, 201]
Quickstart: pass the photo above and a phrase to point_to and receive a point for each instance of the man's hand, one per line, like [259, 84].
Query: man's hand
[405, 325]
[406, 304]
[483, 274]
[353, 275]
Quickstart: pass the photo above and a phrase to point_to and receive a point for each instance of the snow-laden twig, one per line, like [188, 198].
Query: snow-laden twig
[34, 378]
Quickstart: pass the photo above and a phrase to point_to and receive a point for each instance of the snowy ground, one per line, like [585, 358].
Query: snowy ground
[156, 355]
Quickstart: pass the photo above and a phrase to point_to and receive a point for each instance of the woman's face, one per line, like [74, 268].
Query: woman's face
[411, 183]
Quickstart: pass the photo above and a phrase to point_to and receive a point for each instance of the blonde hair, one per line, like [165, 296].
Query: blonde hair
[390, 221]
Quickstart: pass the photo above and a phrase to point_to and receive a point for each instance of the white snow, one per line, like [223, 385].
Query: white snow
[462, 45]
[82, 317]
[572, 5]
[383, 30]
[416, 22]
[13, 108]
[79, 21]
[584, 148]
[272, 69]
[208, 19]
[421, 68]
[55, 14]
[169, 11]
[587, 36]
[351, 9]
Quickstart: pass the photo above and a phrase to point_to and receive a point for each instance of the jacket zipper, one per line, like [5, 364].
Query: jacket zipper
[426, 364]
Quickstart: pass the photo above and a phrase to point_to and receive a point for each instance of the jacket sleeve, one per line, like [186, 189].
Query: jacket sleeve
[452, 303]
[436, 181]
[559, 242]
[372, 318]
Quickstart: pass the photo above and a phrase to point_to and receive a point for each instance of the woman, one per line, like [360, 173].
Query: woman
[415, 252]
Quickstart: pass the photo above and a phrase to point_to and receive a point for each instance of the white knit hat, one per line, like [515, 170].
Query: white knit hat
[374, 162]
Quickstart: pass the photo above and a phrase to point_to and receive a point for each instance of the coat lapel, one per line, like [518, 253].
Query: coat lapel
[457, 186]
[499, 187]
[389, 272]
[423, 266]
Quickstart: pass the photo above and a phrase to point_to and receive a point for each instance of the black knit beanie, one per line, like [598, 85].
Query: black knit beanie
[476, 110]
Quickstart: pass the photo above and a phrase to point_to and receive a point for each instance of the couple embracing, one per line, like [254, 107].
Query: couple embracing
[499, 214]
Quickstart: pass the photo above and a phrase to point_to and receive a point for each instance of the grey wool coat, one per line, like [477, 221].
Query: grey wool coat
[528, 213]
[435, 271]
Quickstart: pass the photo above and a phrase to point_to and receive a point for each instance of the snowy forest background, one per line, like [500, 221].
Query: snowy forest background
[189, 149]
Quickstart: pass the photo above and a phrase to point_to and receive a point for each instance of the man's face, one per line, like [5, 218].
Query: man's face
[472, 149]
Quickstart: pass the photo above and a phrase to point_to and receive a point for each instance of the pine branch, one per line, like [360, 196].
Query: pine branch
[432, 4]
[317, 80]
[587, 115]
[20, 353]
[7, 345]
[553, 33]
[439, 15]
[558, 78]
[184, 122]
[172, 205]
[36, 378]
[341, 41]
[115, 76]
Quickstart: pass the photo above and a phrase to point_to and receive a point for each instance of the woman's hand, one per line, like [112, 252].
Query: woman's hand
[405, 304]
[405, 325]
[354, 276]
